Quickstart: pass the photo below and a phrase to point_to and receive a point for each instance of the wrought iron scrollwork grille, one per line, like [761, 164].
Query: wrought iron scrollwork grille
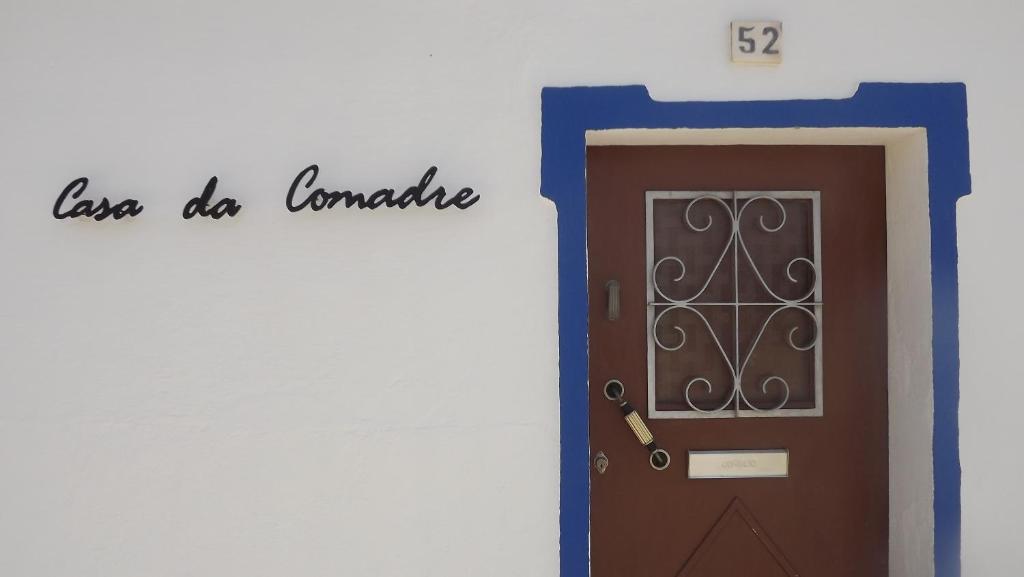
[738, 301]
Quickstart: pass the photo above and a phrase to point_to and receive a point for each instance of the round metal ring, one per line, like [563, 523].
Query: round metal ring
[658, 453]
[611, 386]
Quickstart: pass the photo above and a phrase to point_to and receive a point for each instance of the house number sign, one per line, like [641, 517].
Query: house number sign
[756, 42]
[304, 194]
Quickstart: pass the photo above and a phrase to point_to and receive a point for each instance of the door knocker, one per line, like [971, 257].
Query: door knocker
[614, 391]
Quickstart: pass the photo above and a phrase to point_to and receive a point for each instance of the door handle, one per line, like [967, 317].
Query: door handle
[614, 391]
[613, 291]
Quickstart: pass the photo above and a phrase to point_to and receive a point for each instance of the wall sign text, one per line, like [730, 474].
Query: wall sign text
[303, 194]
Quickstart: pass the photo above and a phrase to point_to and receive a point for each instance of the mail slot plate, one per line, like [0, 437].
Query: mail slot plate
[754, 464]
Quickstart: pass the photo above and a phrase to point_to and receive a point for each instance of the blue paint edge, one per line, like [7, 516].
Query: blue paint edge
[567, 113]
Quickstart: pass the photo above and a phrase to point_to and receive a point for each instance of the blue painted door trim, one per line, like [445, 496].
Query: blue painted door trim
[568, 112]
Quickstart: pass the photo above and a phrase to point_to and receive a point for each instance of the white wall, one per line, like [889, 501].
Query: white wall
[375, 393]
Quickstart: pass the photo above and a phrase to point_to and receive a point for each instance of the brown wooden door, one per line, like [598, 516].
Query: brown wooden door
[829, 516]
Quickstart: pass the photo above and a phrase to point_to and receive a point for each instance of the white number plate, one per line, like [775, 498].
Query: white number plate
[755, 42]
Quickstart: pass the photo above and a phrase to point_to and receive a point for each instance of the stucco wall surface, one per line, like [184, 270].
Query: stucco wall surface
[375, 393]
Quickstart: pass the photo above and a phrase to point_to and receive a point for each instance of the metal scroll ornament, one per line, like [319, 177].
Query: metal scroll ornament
[766, 211]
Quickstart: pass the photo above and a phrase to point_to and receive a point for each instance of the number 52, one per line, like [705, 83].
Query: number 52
[756, 42]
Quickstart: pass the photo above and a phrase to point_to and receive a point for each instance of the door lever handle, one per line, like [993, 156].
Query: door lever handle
[614, 391]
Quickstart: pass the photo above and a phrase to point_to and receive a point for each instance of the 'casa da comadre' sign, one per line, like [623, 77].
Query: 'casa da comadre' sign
[301, 195]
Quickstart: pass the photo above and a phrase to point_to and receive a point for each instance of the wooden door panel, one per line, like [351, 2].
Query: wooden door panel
[738, 545]
[830, 515]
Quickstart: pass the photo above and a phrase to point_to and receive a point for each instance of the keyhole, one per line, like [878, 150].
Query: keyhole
[600, 462]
